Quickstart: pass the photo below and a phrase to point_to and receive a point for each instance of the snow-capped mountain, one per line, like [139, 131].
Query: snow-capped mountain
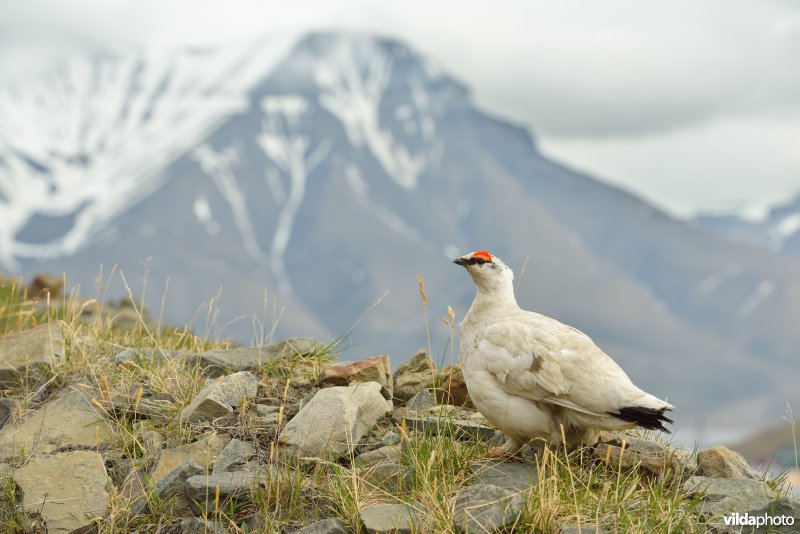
[777, 229]
[343, 166]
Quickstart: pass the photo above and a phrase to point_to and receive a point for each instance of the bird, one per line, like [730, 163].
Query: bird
[535, 378]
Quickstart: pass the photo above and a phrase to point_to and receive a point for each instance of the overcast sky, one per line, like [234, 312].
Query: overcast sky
[694, 104]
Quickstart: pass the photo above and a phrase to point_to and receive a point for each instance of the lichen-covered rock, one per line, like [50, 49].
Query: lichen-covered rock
[413, 376]
[219, 398]
[373, 369]
[389, 519]
[70, 490]
[721, 462]
[29, 354]
[333, 422]
[68, 420]
[485, 508]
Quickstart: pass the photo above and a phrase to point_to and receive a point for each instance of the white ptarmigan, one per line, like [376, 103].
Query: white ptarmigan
[532, 376]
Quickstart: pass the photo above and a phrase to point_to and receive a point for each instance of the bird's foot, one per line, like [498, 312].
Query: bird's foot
[510, 449]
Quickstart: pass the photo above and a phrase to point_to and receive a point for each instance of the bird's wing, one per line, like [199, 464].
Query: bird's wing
[540, 359]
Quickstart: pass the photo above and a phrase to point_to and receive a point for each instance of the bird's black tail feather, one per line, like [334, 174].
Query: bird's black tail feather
[651, 418]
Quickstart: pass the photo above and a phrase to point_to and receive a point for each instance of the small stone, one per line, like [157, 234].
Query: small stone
[415, 375]
[30, 354]
[721, 462]
[391, 453]
[153, 441]
[264, 410]
[390, 438]
[727, 495]
[373, 369]
[485, 508]
[657, 464]
[219, 398]
[326, 526]
[70, 490]
[203, 452]
[170, 486]
[334, 421]
[236, 486]
[234, 456]
[198, 525]
[67, 421]
[422, 401]
[512, 476]
[389, 519]
[219, 362]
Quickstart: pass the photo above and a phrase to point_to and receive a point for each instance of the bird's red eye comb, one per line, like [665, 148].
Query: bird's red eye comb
[482, 255]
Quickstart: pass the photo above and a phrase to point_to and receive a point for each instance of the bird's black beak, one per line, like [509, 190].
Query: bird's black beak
[460, 261]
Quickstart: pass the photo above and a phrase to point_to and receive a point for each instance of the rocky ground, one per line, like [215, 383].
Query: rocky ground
[115, 428]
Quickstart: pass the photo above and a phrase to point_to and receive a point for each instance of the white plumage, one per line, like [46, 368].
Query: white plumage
[532, 376]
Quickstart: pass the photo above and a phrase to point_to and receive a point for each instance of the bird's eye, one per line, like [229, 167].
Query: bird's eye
[494, 266]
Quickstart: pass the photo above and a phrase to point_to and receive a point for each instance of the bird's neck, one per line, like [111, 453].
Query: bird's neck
[494, 296]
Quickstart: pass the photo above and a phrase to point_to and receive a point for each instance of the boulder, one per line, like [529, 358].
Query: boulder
[203, 452]
[70, 490]
[219, 398]
[389, 519]
[222, 361]
[373, 369]
[30, 354]
[485, 508]
[413, 376]
[67, 421]
[334, 421]
[326, 526]
[721, 462]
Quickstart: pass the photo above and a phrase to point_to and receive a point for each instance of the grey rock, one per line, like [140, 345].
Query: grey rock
[70, 490]
[143, 355]
[589, 528]
[391, 453]
[219, 398]
[7, 409]
[334, 421]
[413, 376]
[390, 438]
[153, 441]
[70, 420]
[30, 354]
[422, 401]
[485, 508]
[389, 518]
[326, 526]
[198, 525]
[234, 456]
[263, 410]
[459, 428]
[511, 476]
[783, 506]
[721, 462]
[236, 486]
[218, 362]
[170, 486]
[728, 495]
[387, 475]
[203, 452]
